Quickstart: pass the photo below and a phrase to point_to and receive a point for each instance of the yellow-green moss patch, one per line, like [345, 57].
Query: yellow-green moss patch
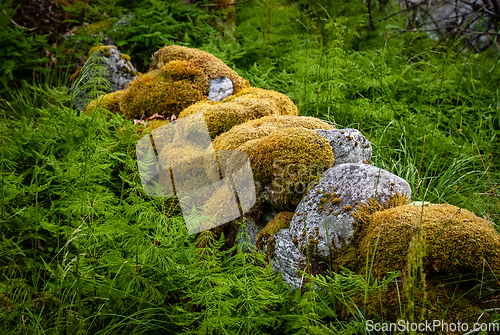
[288, 160]
[125, 57]
[104, 49]
[364, 212]
[109, 101]
[250, 104]
[211, 66]
[281, 103]
[457, 240]
[281, 221]
[178, 78]
[264, 126]
[158, 92]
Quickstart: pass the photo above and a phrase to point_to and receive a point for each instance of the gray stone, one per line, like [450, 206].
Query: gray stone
[288, 258]
[119, 72]
[120, 69]
[220, 88]
[323, 218]
[349, 145]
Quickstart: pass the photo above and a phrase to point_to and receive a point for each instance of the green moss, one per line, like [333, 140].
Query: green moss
[456, 239]
[363, 213]
[281, 221]
[289, 160]
[104, 50]
[125, 57]
[282, 105]
[250, 104]
[178, 78]
[157, 123]
[109, 101]
[158, 92]
[211, 66]
[215, 210]
[255, 129]
[96, 27]
[350, 257]
[444, 301]
[336, 201]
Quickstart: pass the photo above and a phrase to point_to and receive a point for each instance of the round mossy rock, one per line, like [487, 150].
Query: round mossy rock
[456, 240]
[249, 104]
[211, 66]
[255, 129]
[288, 160]
[167, 91]
[178, 77]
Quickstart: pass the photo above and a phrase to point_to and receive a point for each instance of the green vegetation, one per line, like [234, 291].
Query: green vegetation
[84, 251]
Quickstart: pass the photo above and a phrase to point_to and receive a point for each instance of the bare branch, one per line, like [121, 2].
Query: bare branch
[229, 4]
[401, 11]
[17, 24]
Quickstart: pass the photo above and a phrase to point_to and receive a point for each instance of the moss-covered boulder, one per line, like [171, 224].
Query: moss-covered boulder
[287, 161]
[264, 126]
[456, 240]
[178, 77]
[185, 82]
[275, 146]
[249, 104]
[460, 258]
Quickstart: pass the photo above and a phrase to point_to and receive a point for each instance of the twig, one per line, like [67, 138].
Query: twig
[228, 4]
[489, 191]
[487, 174]
[401, 11]
[17, 24]
[492, 309]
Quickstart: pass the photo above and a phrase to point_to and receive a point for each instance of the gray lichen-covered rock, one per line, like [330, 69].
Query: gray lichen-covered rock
[220, 88]
[323, 219]
[119, 72]
[120, 69]
[349, 145]
[288, 258]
